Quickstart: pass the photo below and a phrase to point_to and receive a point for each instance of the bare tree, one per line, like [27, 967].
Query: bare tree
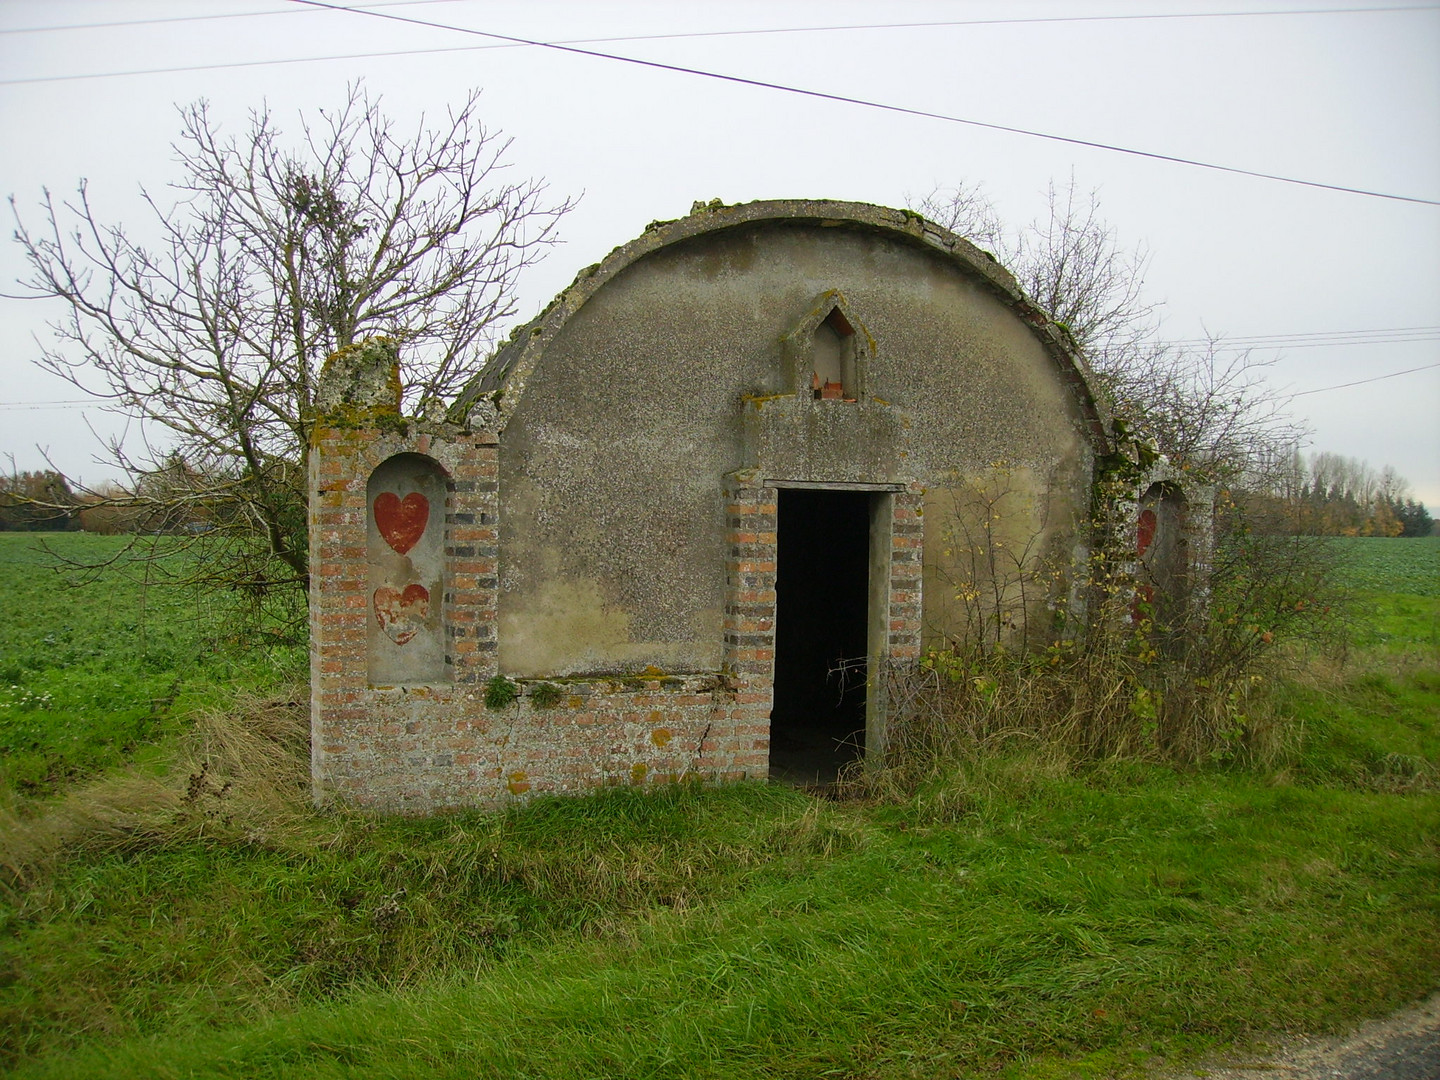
[1069, 260]
[968, 210]
[1207, 407]
[271, 254]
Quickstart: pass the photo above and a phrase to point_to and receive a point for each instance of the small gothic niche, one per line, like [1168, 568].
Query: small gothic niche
[829, 352]
[832, 359]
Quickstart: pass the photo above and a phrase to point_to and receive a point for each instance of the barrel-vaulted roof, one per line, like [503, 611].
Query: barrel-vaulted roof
[504, 376]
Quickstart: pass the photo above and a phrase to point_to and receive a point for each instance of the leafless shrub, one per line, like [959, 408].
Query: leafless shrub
[1207, 408]
[1138, 678]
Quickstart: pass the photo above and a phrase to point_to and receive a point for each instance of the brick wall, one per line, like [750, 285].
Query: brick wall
[365, 740]
[418, 748]
[907, 555]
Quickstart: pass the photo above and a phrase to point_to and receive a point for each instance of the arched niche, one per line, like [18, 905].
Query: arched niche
[1163, 552]
[829, 351]
[405, 547]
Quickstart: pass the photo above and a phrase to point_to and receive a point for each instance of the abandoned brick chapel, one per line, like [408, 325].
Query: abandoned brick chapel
[681, 520]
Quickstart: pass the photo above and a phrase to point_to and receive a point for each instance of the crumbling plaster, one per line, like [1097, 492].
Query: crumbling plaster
[666, 367]
[610, 497]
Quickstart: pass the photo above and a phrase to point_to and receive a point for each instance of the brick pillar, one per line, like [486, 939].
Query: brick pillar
[472, 537]
[907, 553]
[339, 588]
[740, 736]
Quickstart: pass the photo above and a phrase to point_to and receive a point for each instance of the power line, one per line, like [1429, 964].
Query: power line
[1338, 343]
[844, 99]
[358, 8]
[1386, 336]
[245, 64]
[1156, 16]
[569, 46]
[513, 43]
[1339, 333]
[1362, 382]
[201, 18]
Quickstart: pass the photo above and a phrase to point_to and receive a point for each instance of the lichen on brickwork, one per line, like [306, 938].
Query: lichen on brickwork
[359, 385]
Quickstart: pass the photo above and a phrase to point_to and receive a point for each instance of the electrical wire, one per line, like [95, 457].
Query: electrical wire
[1153, 16]
[570, 48]
[1362, 382]
[1387, 330]
[847, 100]
[245, 64]
[1396, 335]
[509, 41]
[199, 18]
[679, 36]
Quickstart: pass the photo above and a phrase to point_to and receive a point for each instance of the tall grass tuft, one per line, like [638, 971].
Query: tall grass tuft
[237, 773]
[213, 890]
[1089, 704]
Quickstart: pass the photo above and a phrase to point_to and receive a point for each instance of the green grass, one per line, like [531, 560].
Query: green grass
[1022, 917]
[1092, 915]
[1394, 588]
[92, 675]
[1374, 723]
[1378, 564]
[1375, 730]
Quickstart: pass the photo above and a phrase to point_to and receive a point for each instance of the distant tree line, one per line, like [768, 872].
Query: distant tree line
[36, 502]
[44, 501]
[1321, 494]
[1327, 494]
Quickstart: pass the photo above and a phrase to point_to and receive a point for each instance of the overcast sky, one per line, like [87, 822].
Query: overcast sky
[1327, 91]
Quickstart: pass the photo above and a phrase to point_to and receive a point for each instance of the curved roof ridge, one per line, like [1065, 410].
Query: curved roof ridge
[508, 369]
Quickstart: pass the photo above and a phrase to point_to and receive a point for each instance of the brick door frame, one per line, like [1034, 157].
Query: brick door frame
[752, 561]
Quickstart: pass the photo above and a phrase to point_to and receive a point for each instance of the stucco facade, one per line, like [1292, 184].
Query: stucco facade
[601, 518]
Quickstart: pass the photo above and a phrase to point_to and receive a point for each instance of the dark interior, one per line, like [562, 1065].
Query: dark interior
[822, 600]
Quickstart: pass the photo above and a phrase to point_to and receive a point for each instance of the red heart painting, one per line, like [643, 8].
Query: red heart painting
[402, 614]
[1146, 531]
[401, 521]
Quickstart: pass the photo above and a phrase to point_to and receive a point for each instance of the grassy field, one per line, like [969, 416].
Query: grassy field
[92, 675]
[1025, 918]
[1380, 565]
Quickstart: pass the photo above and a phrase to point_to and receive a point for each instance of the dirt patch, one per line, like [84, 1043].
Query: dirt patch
[1405, 1046]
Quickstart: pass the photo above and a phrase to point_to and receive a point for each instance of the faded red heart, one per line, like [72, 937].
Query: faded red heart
[1146, 531]
[402, 614]
[401, 521]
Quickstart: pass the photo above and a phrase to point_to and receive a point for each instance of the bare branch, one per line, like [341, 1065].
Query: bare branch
[1207, 409]
[270, 254]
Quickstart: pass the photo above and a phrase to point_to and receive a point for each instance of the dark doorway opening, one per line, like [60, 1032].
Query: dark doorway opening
[822, 586]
